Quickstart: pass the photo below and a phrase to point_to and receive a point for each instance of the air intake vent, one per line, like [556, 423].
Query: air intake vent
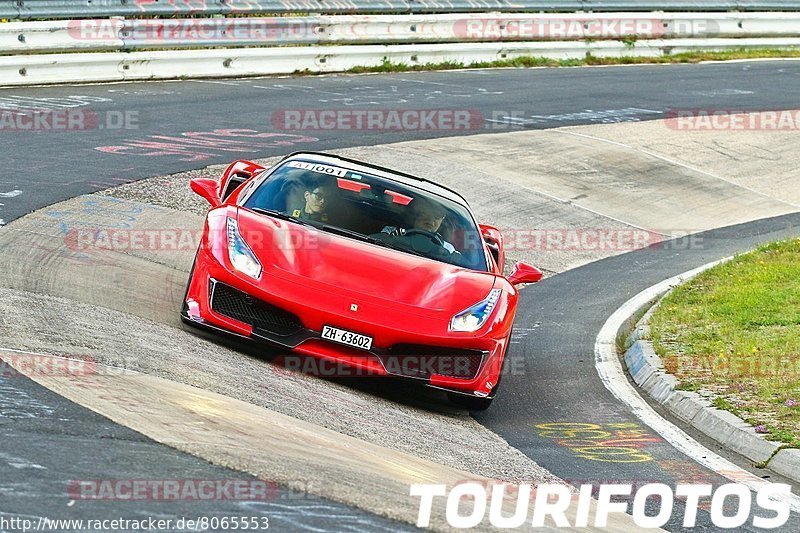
[240, 306]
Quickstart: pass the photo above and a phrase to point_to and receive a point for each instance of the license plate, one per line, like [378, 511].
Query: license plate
[349, 338]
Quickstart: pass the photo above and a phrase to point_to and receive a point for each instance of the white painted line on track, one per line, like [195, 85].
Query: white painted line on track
[612, 374]
[215, 82]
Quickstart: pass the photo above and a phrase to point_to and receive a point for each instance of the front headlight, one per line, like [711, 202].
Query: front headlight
[242, 257]
[475, 317]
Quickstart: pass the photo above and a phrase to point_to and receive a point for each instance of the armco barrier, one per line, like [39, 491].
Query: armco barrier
[140, 34]
[117, 66]
[54, 9]
[150, 48]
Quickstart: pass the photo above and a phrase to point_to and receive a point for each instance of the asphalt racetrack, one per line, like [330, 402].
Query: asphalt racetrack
[558, 384]
[48, 166]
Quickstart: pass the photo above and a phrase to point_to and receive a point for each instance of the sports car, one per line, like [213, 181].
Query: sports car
[353, 263]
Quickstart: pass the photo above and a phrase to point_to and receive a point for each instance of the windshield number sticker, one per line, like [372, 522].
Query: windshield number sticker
[322, 169]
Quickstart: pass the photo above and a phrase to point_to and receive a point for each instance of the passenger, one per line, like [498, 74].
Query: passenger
[317, 198]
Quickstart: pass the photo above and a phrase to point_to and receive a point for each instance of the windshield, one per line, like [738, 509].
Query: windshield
[357, 205]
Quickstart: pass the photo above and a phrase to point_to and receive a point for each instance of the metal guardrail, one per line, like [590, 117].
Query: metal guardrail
[140, 34]
[148, 48]
[63, 9]
[20, 70]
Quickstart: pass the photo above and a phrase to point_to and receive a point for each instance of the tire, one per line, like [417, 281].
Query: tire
[470, 403]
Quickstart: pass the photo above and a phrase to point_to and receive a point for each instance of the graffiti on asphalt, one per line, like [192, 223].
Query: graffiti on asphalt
[612, 443]
[203, 145]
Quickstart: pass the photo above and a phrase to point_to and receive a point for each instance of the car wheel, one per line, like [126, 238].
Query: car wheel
[470, 403]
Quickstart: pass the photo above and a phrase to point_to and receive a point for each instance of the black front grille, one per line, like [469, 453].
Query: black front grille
[422, 361]
[237, 305]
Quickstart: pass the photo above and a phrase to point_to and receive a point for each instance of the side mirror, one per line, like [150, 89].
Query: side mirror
[207, 188]
[524, 273]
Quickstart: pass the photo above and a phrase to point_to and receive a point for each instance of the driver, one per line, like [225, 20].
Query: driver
[427, 216]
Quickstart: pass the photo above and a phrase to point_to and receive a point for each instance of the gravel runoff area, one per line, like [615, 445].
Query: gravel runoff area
[390, 416]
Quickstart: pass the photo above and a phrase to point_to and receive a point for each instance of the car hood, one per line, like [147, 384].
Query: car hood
[347, 266]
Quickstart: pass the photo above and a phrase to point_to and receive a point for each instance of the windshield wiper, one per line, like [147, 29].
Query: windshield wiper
[279, 214]
[371, 240]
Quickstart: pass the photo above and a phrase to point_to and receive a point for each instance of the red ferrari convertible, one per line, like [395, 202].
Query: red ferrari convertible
[360, 265]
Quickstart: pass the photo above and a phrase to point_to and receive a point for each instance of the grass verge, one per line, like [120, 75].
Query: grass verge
[532, 61]
[733, 333]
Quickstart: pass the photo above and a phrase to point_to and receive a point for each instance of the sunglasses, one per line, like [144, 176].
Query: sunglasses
[319, 195]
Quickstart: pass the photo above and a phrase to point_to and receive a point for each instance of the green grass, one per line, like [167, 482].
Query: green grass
[531, 61]
[734, 331]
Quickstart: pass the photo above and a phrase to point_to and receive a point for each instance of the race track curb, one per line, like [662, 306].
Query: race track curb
[646, 369]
